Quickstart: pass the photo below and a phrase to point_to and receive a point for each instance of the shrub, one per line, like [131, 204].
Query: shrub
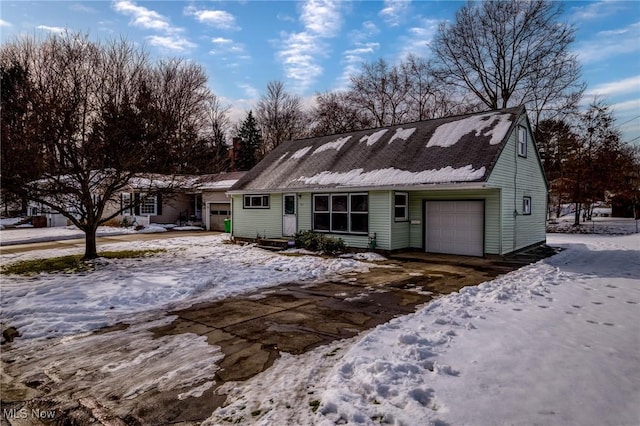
[331, 245]
[314, 241]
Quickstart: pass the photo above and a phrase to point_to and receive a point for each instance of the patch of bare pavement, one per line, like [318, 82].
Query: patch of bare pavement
[251, 331]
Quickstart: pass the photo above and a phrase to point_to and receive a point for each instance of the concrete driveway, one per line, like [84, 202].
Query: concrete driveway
[251, 330]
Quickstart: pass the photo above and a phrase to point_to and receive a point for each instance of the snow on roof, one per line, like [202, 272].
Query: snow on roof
[392, 176]
[403, 134]
[493, 124]
[337, 144]
[446, 150]
[301, 152]
[373, 138]
[218, 185]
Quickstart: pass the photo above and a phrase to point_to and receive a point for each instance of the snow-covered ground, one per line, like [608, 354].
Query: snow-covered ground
[554, 343]
[34, 235]
[598, 225]
[193, 269]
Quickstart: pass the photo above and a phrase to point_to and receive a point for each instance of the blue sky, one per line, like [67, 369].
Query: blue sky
[313, 45]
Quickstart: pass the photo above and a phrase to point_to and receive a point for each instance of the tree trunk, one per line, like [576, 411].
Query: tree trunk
[576, 221]
[90, 246]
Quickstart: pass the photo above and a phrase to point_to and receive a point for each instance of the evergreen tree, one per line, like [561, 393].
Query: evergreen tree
[250, 140]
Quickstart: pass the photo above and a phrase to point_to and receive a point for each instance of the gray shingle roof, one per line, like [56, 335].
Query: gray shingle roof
[446, 150]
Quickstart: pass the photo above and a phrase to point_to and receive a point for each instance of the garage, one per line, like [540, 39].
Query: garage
[454, 227]
[218, 212]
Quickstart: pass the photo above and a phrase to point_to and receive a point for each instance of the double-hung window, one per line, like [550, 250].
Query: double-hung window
[256, 201]
[522, 141]
[401, 206]
[343, 213]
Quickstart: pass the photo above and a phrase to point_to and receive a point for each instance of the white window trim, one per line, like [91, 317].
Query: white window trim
[146, 202]
[252, 196]
[405, 205]
[522, 141]
[526, 206]
[330, 212]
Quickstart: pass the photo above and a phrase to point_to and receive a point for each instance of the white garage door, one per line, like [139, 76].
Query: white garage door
[455, 227]
[218, 213]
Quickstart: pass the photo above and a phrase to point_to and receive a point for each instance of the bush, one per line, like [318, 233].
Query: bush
[314, 241]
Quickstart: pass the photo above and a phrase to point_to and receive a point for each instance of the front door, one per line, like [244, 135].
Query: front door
[289, 217]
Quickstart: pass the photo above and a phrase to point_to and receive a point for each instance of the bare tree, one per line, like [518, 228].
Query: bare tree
[90, 118]
[381, 90]
[335, 113]
[280, 117]
[427, 97]
[215, 128]
[511, 52]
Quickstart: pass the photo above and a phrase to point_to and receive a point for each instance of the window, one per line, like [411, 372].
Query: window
[359, 213]
[149, 205]
[345, 213]
[125, 203]
[522, 141]
[526, 205]
[321, 215]
[401, 206]
[256, 201]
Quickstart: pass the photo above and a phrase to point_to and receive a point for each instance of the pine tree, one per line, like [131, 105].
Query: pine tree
[250, 139]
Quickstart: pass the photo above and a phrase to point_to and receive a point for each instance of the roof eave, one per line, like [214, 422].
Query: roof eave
[420, 187]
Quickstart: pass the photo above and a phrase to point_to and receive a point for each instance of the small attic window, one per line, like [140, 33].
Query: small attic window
[522, 141]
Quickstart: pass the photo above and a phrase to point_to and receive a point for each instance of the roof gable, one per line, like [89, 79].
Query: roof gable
[446, 150]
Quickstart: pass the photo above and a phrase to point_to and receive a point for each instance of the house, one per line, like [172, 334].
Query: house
[196, 200]
[469, 185]
[216, 203]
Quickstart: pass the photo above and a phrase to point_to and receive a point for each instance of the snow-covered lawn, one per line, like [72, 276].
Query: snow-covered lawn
[33, 235]
[193, 269]
[598, 225]
[554, 343]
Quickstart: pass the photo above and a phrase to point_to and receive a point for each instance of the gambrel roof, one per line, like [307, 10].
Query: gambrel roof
[451, 150]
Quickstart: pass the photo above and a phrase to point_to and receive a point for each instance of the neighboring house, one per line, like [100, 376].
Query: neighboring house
[194, 200]
[470, 185]
[200, 200]
[212, 193]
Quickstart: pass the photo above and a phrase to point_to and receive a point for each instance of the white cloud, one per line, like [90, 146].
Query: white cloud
[221, 40]
[299, 55]
[170, 42]
[369, 29]
[215, 18]
[418, 38]
[300, 52]
[616, 87]
[58, 30]
[4, 23]
[352, 59]
[223, 46]
[610, 43]
[394, 11]
[596, 10]
[321, 17]
[632, 105]
[141, 16]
